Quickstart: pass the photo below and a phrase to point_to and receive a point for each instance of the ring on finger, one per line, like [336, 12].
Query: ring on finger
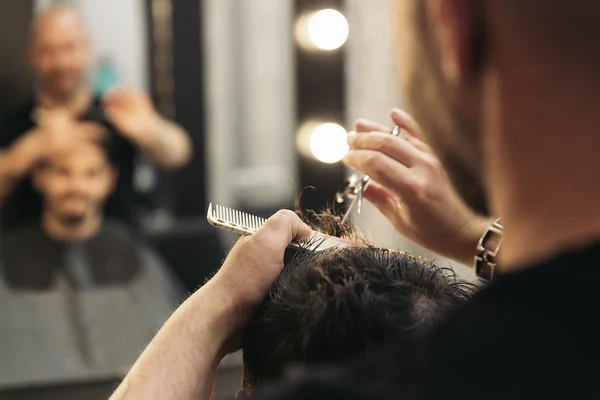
[397, 131]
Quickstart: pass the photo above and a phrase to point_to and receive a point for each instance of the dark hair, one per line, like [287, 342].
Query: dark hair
[344, 303]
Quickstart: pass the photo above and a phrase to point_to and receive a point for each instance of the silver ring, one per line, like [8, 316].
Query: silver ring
[397, 131]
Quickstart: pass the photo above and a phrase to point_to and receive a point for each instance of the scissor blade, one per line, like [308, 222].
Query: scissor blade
[349, 210]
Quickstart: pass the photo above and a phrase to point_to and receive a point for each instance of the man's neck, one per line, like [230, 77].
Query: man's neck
[543, 163]
[75, 102]
[55, 228]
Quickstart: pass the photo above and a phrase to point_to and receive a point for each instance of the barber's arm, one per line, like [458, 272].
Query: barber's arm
[181, 361]
[15, 163]
[410, 187]
[160, 140]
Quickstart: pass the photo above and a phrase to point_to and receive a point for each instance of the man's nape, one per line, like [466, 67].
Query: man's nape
[345, 303]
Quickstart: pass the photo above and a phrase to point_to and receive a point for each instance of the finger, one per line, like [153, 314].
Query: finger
[385, 201]
[406, 122]
[380, 167]
[365, 125]
[115, 96]
[409, 125]
[94, 136]
[281, 229]
[112, 112]
[92, 131]
[392, 146]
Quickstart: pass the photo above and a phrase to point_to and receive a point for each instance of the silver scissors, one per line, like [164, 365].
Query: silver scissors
[356, 186]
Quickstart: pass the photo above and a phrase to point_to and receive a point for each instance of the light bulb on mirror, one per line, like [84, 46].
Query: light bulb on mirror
[325, 142]
[324, 30]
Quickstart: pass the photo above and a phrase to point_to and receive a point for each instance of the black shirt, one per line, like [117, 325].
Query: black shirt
[530, 334]
[24, 205]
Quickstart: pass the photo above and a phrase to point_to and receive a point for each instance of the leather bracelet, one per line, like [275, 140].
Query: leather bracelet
[487, 251]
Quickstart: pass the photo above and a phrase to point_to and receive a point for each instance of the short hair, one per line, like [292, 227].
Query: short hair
[346, 303]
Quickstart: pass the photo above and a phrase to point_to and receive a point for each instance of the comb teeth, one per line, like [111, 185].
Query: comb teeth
[233, 220]
[247, 224]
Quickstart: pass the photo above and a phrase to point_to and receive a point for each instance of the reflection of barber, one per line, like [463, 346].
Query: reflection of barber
[65, 113]
[73, 244]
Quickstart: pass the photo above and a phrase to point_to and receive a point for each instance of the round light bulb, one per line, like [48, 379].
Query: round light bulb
[323, 30]
[328, 143]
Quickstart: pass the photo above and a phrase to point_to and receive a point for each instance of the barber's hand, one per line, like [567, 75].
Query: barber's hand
[252, 267]
[410, 187]
[60, 131]
[57, 131]
[132, 113]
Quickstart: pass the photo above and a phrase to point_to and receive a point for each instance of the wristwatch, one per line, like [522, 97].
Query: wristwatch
[487, 250]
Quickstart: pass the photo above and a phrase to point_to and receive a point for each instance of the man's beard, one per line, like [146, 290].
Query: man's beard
[452, 130]
[72, 220]
[75, 219]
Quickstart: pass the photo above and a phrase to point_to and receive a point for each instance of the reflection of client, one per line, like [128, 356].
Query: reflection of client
[74, 246]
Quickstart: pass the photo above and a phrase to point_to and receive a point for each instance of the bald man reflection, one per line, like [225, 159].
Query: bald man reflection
[65, 112]
[72, 245]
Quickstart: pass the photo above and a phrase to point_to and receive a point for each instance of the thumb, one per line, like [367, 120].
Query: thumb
[385, 201]
[241, 395]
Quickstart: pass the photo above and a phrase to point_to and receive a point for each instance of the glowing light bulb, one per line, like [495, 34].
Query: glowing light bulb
[327, 143]
[324, 30]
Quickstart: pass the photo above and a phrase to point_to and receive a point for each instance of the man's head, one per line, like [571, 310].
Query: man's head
[452, 54]
[75, 184]
[59, 51]
[344, 303]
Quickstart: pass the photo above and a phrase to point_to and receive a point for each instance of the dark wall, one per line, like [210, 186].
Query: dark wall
[184, 192]
[15, 78]
[320, 96]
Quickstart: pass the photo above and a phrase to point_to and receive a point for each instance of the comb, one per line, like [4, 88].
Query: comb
[247, 224]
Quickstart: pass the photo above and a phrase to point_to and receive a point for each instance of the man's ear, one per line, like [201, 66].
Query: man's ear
[241, 395]
[457, 30]
[114, 176]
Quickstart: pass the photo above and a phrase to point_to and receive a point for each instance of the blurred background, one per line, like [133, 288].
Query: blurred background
[266, 89]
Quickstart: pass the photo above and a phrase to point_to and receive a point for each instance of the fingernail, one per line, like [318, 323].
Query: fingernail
[350, 137]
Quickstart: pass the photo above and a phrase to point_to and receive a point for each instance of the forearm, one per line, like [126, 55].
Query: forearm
[169, 148]
[470, 236]
[181, 361]
[15, 163]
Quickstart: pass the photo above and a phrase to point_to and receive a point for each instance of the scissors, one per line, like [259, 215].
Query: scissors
[356, 186]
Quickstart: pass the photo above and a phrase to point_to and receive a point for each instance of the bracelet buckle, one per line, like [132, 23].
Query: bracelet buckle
[487, 251]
